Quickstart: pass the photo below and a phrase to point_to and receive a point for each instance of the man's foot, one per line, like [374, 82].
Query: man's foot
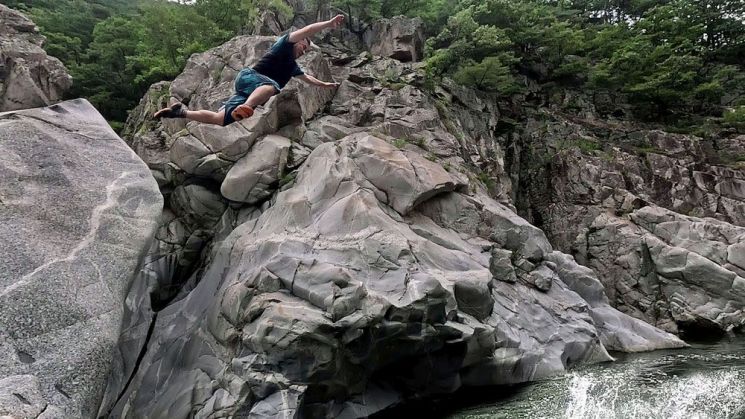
[242, 112]
[177, 110]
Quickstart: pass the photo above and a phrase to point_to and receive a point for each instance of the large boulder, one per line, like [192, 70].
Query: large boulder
[253, 177]
[77, 213]
[29, 78]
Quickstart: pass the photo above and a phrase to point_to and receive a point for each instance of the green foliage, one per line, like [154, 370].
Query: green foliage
[115, 49]
[735, 116]
[487, 44]
[238, 16]
[670, 58]
[491, 74]
[487, 180]
[399, 143]
[68, 24]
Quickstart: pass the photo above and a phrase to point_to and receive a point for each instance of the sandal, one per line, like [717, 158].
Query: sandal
[177, 110]
[242, 112]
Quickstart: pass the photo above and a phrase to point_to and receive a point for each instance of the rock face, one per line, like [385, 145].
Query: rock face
[399, 38]
[658, 216]
[29, 78]
[74, 231]
[376, 268]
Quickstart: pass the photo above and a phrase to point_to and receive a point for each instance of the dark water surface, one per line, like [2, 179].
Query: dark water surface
[704, 381]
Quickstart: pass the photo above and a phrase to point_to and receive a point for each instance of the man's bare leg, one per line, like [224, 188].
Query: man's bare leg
[260, 96]
[207, 117]
[178, 110]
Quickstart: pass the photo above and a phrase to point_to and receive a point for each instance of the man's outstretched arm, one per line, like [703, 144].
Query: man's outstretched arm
[314, 28]
[315, 82]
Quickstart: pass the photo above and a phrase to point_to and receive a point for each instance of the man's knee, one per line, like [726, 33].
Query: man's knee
[267, 89]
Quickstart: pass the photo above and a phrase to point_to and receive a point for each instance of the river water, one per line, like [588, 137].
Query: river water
[704, 381]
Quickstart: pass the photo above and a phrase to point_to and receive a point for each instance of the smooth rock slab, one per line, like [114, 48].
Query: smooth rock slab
[77, 212]
[254, 177]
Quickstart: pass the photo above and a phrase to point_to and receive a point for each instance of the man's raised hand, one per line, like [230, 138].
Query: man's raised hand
[336, 21]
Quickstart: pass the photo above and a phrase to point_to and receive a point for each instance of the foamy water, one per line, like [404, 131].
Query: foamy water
[701, 395]
[706, 381]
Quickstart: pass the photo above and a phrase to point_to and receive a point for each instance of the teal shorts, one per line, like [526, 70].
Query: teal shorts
[246, 82]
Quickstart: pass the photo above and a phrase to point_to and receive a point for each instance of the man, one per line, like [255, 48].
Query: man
[254, 86]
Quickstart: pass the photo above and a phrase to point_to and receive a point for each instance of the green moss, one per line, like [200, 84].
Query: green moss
[287, 178]
[399, 143]
[486, 179]
[587, 146]
[733, 160]
[648, 149]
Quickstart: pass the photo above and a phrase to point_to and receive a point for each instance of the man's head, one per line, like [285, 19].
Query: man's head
[301, 47]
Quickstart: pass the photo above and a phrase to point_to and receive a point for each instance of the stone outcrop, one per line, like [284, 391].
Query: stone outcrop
[399, 38]
[29, 78]
[669, 269]
[658, 216]
[78, 210]
[367, 267]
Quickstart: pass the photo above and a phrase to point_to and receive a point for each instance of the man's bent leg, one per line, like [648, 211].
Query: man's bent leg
[258, 97]
[261, 95]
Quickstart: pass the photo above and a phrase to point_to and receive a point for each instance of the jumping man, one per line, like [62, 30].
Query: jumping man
[254, 86]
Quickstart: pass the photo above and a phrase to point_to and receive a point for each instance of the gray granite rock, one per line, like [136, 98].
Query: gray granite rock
[671, 270]
[316, 304]
[29, 77]
[657, 216]
[500, 265]
[78, 210]
[254, 177]
[399, 37]
[388, 264]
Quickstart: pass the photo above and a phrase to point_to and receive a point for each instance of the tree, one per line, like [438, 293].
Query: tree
[106, 77]
[238, 16]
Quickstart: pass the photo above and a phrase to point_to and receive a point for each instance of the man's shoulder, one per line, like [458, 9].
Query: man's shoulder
[282, 42]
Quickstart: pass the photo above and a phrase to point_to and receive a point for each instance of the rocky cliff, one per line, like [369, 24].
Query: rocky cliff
[660, 217]
[28, 76]
[343, 251]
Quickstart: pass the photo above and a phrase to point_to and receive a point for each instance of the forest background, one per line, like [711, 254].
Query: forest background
[677, 62]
